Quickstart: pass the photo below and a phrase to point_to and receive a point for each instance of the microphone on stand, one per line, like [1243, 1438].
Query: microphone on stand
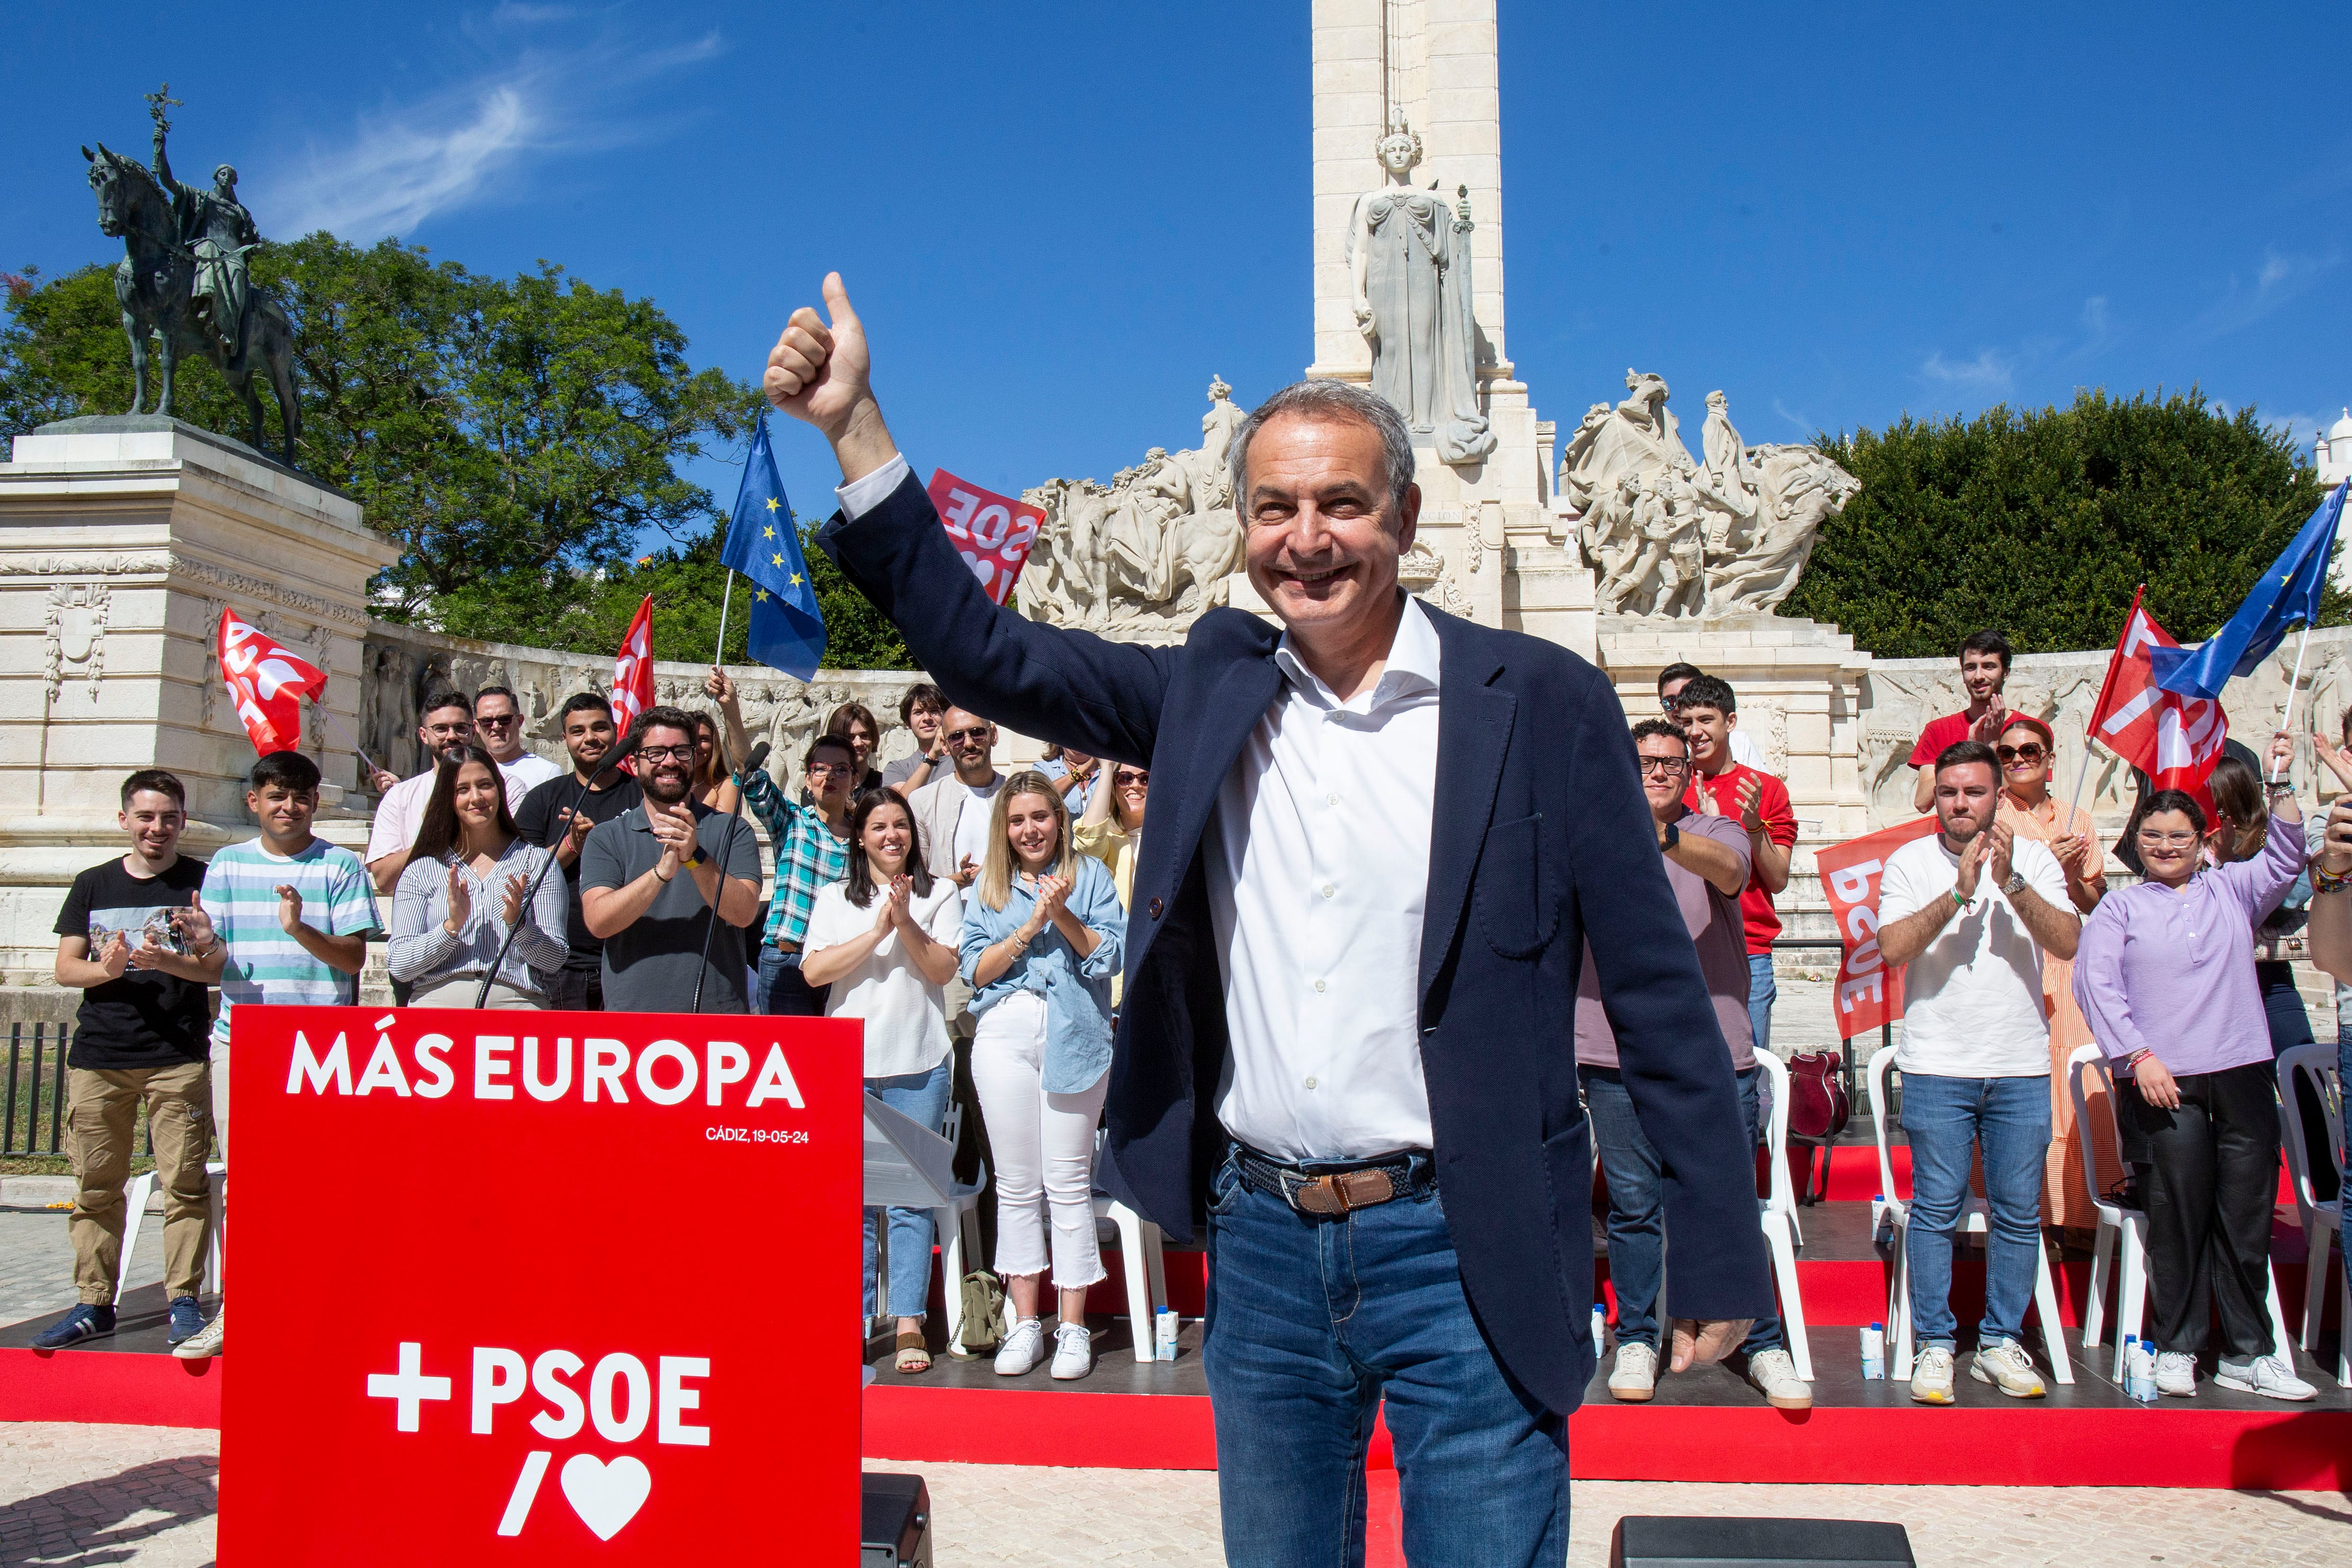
[620, 753]
[752, 764]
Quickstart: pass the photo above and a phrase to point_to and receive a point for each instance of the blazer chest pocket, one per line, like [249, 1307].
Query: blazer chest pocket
[1516, 908]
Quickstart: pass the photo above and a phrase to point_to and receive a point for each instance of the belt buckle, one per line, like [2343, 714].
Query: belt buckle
[1295, 1183]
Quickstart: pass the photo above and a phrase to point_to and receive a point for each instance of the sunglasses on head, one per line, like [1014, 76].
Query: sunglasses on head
[2029, 752]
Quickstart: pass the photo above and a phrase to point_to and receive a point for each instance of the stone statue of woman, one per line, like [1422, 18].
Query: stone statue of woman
[1409, 258]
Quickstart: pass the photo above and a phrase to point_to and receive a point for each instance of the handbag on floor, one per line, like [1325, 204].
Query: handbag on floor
[983, 1314]
[1818, 1112]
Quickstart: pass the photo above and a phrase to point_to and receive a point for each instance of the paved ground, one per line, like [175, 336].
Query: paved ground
[84, 1496]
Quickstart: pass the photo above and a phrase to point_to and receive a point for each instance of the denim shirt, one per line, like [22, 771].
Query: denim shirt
[1076, 990]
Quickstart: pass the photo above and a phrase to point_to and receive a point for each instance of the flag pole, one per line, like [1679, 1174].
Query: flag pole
[718, 654]
[2081, 776]
[2286, 722]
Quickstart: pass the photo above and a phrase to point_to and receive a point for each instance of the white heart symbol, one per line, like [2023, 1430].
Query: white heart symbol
[606, 1496]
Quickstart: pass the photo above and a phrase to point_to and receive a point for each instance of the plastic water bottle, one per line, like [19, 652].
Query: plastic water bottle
[1599, 1328]
[2139, 1370]
[1874, 1352]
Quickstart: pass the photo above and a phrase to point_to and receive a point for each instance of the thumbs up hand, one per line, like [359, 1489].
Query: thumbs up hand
[817, 373]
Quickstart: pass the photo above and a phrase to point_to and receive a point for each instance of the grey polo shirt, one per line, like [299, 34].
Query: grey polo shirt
[650, 966]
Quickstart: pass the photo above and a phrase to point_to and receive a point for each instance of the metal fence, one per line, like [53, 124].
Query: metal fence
[33, 1095]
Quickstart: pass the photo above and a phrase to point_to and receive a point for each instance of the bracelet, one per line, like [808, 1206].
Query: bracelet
[1957, 900]
[665, 881]
[2326, 881]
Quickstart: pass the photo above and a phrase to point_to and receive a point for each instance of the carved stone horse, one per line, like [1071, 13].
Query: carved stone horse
[153, 283]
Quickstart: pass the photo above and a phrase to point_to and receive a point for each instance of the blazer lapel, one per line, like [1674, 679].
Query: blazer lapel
[1473, 731]
[1235, 703]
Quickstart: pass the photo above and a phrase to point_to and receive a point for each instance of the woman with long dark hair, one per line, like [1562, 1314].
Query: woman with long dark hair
[2165, 975]
[464, 887]
[1043, 938]
[882, 943]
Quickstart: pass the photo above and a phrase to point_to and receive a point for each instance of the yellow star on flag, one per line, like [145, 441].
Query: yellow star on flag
[796, 580]
[768, 533]
[760, 596]
[771, 503]
[777, 559]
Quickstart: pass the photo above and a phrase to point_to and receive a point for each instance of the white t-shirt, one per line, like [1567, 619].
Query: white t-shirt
[401, 810]
[1745, 751]
[1972, 1001]
[972, 824]
[906, 1015]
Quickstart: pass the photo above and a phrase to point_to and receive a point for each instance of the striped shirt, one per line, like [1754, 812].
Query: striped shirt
[808, 856]
[266, 966]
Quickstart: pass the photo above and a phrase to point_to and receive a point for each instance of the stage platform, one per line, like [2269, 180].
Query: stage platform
[1702, 1425]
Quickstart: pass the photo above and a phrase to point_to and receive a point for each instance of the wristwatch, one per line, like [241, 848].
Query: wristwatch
[2015, 884]
[695, 863]
[1673, 836]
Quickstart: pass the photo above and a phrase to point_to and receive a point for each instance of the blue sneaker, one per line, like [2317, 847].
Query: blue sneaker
[85, 1322]
[185, 1320]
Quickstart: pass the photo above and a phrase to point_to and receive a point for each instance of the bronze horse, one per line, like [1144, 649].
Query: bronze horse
[154, 282]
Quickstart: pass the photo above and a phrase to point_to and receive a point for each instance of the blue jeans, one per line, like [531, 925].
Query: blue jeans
[1946, 1118]
[1762, 989]
[922, 1097]
[1311, 1323]
[1637, 1215]
[782, 988]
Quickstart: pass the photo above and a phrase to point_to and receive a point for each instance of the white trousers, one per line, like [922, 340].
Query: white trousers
[1043, 1145]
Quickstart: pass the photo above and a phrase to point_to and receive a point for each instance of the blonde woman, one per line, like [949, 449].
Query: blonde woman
[1043, 938]
[1112, 833]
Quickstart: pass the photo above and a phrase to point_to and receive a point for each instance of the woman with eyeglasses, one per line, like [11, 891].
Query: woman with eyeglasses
[2026, 756]
[1112, 833]
[2165, 974]
[881, 945]
[466, 884]
[1043, 936]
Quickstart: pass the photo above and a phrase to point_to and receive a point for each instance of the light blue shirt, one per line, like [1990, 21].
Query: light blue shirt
[1076, 990]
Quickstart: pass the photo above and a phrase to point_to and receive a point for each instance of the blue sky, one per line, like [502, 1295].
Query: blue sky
[1058, 221]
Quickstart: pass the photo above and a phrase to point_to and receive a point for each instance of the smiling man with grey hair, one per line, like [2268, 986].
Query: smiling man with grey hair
[1381, 838]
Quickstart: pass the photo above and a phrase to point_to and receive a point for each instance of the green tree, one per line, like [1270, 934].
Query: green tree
[2042, 522]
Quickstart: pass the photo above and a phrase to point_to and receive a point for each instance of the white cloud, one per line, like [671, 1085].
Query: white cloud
[1803, 421]
[2281, 279]
[466, 143]
[1988, 372]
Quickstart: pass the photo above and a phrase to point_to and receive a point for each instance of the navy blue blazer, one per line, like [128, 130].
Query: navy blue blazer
[1542, 841]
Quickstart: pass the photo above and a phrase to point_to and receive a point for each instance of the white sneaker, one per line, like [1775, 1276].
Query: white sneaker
[1636, 1375]
[2268, 1376]
[1021, 1347]
[2009, 1368]
[206, 1340]
[1774, 1374]
[2175, 1373]
[1931, 1377]
[1074, 1350]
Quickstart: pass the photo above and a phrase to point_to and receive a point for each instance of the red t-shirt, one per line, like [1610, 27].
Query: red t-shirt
[1720, 796]
[1949, 730]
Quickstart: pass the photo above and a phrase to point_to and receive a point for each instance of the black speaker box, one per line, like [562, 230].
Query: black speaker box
[1641, 1542]
[894, 1522]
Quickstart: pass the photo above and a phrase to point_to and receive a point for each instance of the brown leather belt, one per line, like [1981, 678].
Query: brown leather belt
[1335, 1188]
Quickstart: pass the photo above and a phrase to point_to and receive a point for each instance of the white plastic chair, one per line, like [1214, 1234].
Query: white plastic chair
[1778, 1214]
[957, 1229]
[2131, 1225]
[136, 1193]
[1976, 1219]
[1139, 1249]
[2311, 1069]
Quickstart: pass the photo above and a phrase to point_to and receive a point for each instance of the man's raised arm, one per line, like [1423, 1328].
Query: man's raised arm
[1102, 697]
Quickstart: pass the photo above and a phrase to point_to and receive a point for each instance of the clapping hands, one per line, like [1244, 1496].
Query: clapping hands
[461, 901]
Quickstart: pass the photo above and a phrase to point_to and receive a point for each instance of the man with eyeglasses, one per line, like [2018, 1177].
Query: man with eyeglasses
[498, 718]
[1707, 861]
[1671, 682]
[653, 886]
[952, 814]
[810, 840]
[1969, 910]
[444, 727]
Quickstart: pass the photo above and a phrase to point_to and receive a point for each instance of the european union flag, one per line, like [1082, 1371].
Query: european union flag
[787, 627]
[2289, 591]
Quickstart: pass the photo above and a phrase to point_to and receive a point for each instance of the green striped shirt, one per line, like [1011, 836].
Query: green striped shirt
[266, 966]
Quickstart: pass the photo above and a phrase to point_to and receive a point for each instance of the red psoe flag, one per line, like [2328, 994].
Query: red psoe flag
[1869, 991]
[633, 669]
[991, 532]
[267, 683]
[2174, 739]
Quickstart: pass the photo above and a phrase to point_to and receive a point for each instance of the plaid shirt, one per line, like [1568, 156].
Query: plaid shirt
[808, 856]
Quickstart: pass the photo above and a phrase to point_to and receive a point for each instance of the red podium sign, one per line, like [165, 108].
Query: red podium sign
[541, 1288]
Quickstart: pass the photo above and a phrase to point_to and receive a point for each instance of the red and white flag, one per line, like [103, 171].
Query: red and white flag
[991, 532]
[1869, 991]
[633, 670]
[2174, 739]
[267, 683]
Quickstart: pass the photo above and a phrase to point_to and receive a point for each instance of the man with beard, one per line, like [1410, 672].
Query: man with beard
[550, 818]
[654, 880]
[444, 727]
[1970, 911]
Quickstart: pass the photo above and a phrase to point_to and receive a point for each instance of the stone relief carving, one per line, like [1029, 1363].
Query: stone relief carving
[75, 647]
[1150, 550]
[1669, 536]
[1422, 571]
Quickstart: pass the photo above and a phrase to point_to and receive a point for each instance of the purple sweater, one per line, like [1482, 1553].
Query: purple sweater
[2174, 972]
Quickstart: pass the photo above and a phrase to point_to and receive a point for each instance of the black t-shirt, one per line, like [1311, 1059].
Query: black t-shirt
[146, 1018]
[540, 822]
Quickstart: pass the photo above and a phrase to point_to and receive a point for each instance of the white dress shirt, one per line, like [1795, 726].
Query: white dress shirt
[1318, 873]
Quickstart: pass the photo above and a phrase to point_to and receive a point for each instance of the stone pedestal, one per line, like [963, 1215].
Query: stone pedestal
[122, 540]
